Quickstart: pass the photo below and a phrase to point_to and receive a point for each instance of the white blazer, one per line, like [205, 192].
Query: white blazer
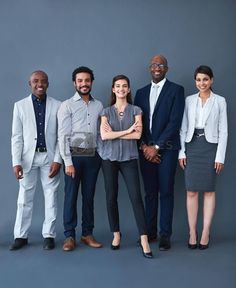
[24, 132]
[216, 128]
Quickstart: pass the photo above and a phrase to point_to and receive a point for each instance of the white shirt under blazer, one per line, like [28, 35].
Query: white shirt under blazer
[215, 128]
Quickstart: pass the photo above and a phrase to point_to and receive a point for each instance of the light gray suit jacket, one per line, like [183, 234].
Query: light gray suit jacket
[24, 132]
[216, 128]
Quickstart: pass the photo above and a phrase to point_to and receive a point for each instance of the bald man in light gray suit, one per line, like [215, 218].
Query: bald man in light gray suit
[35, 154]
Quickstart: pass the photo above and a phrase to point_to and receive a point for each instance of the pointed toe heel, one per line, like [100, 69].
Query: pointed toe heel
[116, 247]
[193, 246]
[147, 254]
[204, 246]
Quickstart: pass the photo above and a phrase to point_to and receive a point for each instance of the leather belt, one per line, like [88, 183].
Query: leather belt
[199, 134]
[41, 149]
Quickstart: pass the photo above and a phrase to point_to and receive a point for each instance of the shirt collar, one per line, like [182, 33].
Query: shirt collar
[208, 99]
[35, 98]
[77, 97]
[159, 84]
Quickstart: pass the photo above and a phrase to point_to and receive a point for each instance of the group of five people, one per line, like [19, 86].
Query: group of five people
[160, 127]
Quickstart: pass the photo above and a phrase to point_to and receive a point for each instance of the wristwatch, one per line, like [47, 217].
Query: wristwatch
[156, 147]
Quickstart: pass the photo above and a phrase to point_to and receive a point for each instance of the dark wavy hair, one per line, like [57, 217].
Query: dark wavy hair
[203, 69]
[82, 69]
[113, 95]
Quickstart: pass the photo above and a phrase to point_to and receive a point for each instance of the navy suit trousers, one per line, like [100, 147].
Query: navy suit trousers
[87, 168]
[159, 184]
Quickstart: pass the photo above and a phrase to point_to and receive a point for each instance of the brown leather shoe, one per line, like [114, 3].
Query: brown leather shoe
[91, 241]
[69, 244]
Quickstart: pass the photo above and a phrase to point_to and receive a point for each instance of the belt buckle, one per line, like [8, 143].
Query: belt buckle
[200, 135]
[41, 149]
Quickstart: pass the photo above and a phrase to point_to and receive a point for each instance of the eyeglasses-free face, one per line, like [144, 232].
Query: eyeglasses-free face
[203, 83]
[39, 83]
[121, 88]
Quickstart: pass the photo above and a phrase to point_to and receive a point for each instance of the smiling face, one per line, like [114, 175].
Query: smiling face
[203, 82]
[83, 83]
[158, 68]
[39, 83]
[121, 89]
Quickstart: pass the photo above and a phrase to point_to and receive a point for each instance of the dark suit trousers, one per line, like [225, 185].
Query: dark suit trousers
[129, 171]
[159, 181]
[87, 168]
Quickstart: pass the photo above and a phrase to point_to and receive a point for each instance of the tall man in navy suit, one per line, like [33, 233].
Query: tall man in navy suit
[162, 103]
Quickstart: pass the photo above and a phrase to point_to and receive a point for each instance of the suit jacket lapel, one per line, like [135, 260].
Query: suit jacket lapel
[145, 100]
[31, 111]
[48, 110]
[193, 109]
[209, 107]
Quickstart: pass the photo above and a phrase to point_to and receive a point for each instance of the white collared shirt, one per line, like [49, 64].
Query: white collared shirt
[201, 111]
[153, 97]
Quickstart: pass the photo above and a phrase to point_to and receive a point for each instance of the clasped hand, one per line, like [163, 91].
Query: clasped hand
[151, 154]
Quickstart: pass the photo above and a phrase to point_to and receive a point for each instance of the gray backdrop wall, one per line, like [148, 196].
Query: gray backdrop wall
[115, 37]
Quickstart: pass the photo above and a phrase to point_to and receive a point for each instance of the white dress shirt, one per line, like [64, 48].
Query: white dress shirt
[153, 97]
[201, 112]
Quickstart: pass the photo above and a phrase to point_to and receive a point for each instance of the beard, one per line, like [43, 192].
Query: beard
[79, 90]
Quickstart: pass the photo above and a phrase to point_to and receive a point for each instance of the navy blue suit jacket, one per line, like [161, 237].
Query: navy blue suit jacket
[167, 115]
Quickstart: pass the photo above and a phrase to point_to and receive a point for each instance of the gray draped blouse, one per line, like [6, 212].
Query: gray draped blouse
[119, 149]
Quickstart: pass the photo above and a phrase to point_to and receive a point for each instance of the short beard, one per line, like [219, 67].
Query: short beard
[83, 93]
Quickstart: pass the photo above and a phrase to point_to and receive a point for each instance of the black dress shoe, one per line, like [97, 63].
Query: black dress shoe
[18, 243]
[164, 244]
[146, 254]
[48, 243]
[116, 247]
[204, 246]
[193, 246]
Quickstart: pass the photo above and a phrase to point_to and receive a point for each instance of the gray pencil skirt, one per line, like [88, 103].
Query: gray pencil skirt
[200, 175]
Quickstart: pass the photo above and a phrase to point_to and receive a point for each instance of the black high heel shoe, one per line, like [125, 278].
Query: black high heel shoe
[193, 246]
[146, 254]
[204, 246]
[116, 247]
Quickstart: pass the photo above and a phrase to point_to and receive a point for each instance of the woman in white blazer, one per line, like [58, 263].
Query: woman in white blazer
[203, 137]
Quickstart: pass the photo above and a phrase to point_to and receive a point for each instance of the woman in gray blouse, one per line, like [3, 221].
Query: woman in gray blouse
[121, 126]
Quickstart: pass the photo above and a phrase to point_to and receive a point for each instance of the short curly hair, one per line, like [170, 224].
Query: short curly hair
[82, 69]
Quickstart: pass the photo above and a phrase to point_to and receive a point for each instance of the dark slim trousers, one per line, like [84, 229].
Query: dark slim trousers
[87, 168]
[129, 171]
[159, 180]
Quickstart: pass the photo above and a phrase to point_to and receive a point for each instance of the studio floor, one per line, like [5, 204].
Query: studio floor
[94, 268]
